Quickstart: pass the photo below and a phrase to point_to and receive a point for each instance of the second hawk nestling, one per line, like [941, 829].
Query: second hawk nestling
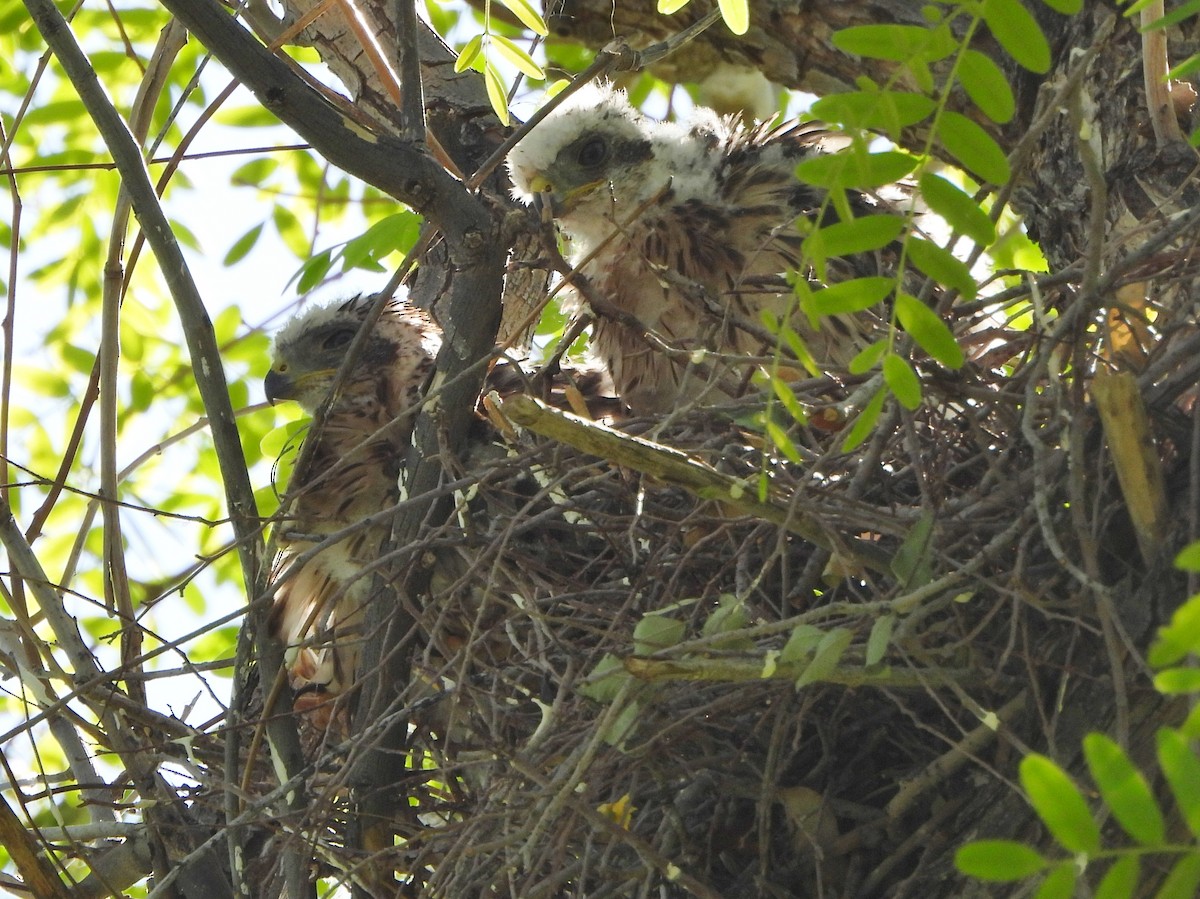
[320, 602]
[689, 229]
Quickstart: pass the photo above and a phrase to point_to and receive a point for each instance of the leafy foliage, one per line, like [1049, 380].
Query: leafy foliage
[1123, 791]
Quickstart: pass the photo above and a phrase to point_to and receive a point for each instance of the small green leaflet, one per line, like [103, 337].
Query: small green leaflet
[856, 169]
[1059, 804]
[986, 85]
[999, 861]
[902, 381]
[971, 145]
[1124, 790]
[928, 330]
[736, 14]
[865, 422]
[1018, 33]
[942, 266]
[899, 43]
[887, 111]
[530, 17]
[520, 60]
[961, 212]
[870, 232]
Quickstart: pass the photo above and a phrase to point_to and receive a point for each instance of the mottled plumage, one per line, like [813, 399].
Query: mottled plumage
[319, 603]
[687, 228]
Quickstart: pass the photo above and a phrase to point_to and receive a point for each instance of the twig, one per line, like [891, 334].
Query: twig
[674, 467]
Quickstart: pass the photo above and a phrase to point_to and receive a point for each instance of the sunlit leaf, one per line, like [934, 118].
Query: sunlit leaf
[1182, 770]
[865, 422]
[1120, 880]
[986, 85]
[1001, 861]
[736, 14]
[497, 92]
[519, 58]
[902, 380]
[971, 145]
[942, 266]
[961, 212]
[529, 16]
[1124, 790]
[469, 53]
[1059, 804]
[928, 330]
[1018, 33]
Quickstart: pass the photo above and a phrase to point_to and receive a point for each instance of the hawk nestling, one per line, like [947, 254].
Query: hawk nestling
[689, 229]
[319, 605]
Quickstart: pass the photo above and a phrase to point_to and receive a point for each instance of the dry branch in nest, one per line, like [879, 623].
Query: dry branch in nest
[638, 673]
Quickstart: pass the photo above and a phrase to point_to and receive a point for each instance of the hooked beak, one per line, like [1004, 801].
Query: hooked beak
[278, 386]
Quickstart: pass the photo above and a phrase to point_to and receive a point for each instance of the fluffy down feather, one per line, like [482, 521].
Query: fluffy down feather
[690, 229]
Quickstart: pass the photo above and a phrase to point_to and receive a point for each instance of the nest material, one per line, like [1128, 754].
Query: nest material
[604, 699]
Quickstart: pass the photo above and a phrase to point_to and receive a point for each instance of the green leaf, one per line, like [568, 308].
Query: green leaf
[1175, 681]
[870, 232]
[736, 14]
[606, 679]
[828, 653]
[865, 422]
[1179, 637]
[868, 357]
[243, 245]
[1182, 70]
[986, 85]
[1175, 16]
[880, 110]
[801, 643]
[529, 16]
[1182, 770]
[899, 43]
[254, 172]
[849, 296]
[1059, 883]
[1059, 804]
[468, 54]
[1001, 861]
[291, 231]
[785, 395]
[942, 266]
[1191, 724]
[1188, 558]
[855, 169]
[902, 380]
[782, 442]
[1018, 33]
[670, 7]
[911, 564]
[519, 58]
[729, 617]
[1183, 881]
[877, 642]
[961, 212]
[497, 92]
[1124, 790]
[1120, 880]
[655, 632]
[971, 145]
[313, 271]
[928, 330]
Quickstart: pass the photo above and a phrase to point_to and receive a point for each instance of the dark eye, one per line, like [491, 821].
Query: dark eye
[593, 152]
[338, 339]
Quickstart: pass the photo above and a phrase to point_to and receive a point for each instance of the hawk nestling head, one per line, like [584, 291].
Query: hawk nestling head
[319, 602]
[390, 368]
[690, 229]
